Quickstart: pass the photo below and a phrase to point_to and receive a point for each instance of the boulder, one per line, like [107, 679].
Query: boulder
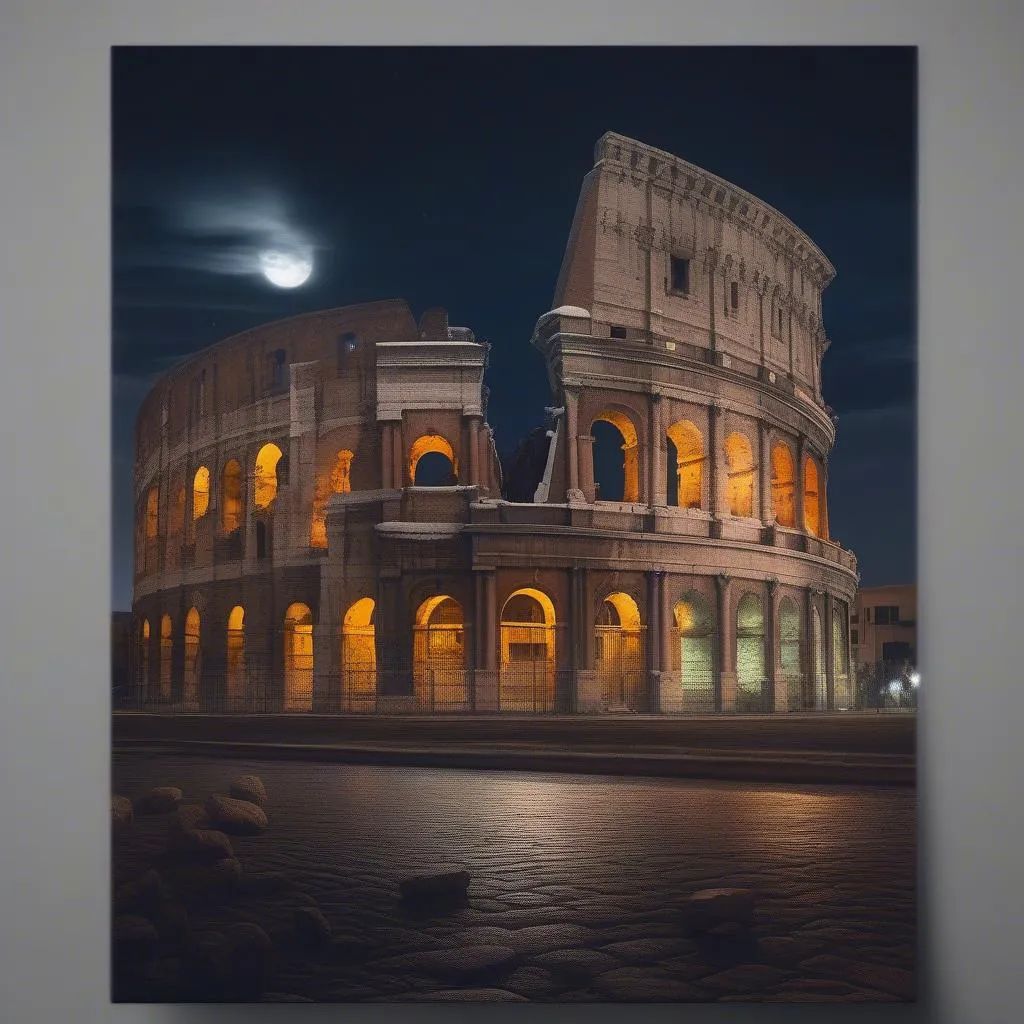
[251, 960]
[311, 927]
[442, 886]
[236, 817]
[161, 800]
[134, 939]
[250, 788]
[206, 882]
[201, 844]
[141, 895]
[189, 817]
[710, 908]
[121, 812]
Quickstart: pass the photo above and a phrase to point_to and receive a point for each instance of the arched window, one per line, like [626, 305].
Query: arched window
[265, 479]
[166, 652]
[439, 654]
[740, 463]
[783, 485]
[192, 667]
[616, 456]
[619, 653]
[685, 472]
[789, 649]
[432, 462]
[750, 659]
[358, 657]
[200, 493]
[527, 652]
[812, 509]
[298, 658]
[235, 688]
[695, 627]
[231, 497]
[339, 482]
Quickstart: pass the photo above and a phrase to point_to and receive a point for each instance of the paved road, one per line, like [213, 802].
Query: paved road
[576, 882]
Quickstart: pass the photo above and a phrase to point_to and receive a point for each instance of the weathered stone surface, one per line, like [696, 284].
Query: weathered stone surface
[866, 975]
[160, 800]
[121, 812]
[533, 982]
[710, 907]
[311, 926]
[576, 965]
[188, 818]
[201, 844]
[470, 995]
[638, 951]
[540, 938]
[141, 895]
[250, 788]
[236, 817]
[745, 978]
[459, 962]
[206, 880]
[645, 985]
[445, 884]
[134, 938]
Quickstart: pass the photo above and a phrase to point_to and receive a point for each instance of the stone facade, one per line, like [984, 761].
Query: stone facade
[293, 552]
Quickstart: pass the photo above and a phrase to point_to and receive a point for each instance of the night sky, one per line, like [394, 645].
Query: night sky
[449, 177]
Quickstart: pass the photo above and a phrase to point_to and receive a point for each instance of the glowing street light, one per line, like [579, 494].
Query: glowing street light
[915, 679]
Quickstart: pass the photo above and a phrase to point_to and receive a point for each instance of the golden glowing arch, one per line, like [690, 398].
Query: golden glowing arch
[338, 483]
[298, 658]
[783, 485]
[265, 479]
[618, 653]
[439, 654]
[689, 468]
[695, 623]
[630, 448]
[231, 496]
[235, 678]
[527, 675]
[812, 505]
[200, 493]
[144, 653]
[740, 462]
[166, 651]
[431, 443]
[545, 602]
[626, 610]
[359, 656]
[192, 647]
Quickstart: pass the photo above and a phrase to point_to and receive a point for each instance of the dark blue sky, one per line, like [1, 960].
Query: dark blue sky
[449, 177]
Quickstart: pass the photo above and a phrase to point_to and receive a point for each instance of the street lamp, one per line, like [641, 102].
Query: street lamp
[915, 679]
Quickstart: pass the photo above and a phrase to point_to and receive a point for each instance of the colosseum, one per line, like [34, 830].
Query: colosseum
[323, 522]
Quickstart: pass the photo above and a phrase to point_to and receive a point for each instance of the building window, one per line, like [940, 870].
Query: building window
[854, 637]
[780, 323]
[680, 275]
[276, 369]
[734, 295]
[618, 332]
[887, 615]
[854, 618]
[347, 344]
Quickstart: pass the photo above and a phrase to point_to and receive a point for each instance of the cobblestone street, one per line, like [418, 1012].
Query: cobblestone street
[576, 882]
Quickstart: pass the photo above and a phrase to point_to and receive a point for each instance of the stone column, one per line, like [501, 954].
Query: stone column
[393, 640]
[387, 471]
[798, 497]
[587, 694]
[726, 645]
[572, 475]
[656, 495]
[777, 681]
[830, 657]
[823, 530]
[485, 682]
[474, 452]
[585, 452]
[670, 692]
[397, 457]
[765, 474]
[810, 686]
[716, 462]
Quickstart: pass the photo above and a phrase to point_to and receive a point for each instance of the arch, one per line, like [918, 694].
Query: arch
[231, 496]
[166, 653]
[783, 485]
[234, 689]
[818, 661]
[695, 628]
[200, 493]
[265, 477]
[685, 478]
[750, 652]
[619, 653]
[527, 673]
[193, 671]
[812, 507]
[631, 456]
[359, 656]
[144, 654]
[339, 482]
[789, 649]
[428, 444]
[439, 654]
[298, 658]
[740, 468]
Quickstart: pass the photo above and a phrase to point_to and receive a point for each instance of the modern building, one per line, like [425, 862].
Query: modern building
[884, 625]
[323, 522]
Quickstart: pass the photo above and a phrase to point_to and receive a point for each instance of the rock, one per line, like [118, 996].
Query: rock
[576, 965]
[446, 885]
[645, 985]
[134, 939]
[189, 818]
[311, 927]
[250, 788]
[710, 907]
[251, 960]
[236, 817]
[461, 962]
[121, 812]
[208, 881]
[141, 895]
[161, 800]
[201, 844]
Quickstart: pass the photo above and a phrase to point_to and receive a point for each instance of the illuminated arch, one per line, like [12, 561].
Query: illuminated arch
[783, 485]
[200, 493]
[166, 652]
[695, 625]
[265, 478]
[231, 496]
[789, 648]
[527, 675]
[144, 654]
[740, 465]
[339, 482]
[619, 653]
[193, 671]
[750, 649]
[431, 444]
[298, 658]
[689, 467]
[630, 448]
[812, 506]
[235, 679]
[439, 654]
[359, 656]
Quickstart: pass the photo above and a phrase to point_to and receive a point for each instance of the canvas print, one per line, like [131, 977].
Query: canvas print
[513, 525]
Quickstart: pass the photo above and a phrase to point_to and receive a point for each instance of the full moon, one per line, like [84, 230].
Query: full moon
[285, 269]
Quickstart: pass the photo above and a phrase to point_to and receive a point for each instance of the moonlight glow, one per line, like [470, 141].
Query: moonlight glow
[286, 269]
